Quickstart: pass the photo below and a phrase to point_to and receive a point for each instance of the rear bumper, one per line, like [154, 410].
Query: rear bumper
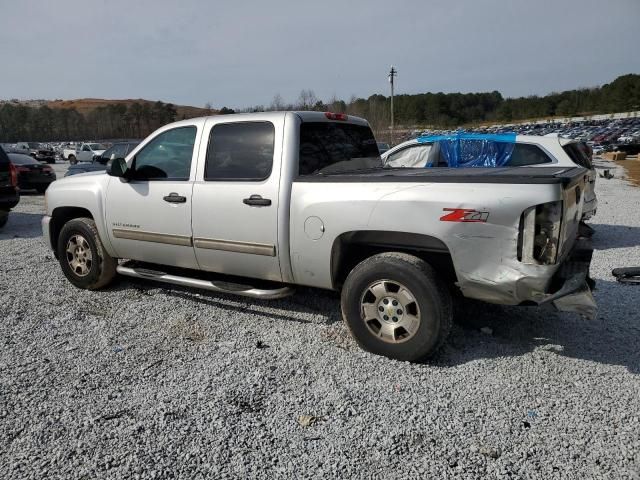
[572, 285]
[565, 286]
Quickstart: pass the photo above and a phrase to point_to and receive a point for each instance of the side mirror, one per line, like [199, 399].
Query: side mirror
[118, 168]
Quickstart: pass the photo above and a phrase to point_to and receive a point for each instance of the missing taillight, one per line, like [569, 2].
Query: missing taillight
[547, 237]
[539, 234]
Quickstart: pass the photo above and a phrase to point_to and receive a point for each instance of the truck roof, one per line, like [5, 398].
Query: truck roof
[305, 116]
[546, 141]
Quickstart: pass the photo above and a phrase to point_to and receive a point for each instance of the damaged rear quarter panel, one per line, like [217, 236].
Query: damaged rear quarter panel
[484, 254]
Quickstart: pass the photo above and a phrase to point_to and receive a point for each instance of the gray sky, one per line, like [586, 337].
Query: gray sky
[241, 53]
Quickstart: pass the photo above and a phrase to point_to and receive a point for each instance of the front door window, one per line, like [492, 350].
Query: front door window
[166, 157]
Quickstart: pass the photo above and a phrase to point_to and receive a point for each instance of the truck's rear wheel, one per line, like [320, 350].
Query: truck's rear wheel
[395, 305]
[82, 257]
[72, 159]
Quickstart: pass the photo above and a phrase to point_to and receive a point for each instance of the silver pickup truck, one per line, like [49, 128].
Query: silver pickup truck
[254, 204]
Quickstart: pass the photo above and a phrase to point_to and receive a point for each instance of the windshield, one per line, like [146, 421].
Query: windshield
[332, 147]
[97, 146]
[109, 151]
[33, 145]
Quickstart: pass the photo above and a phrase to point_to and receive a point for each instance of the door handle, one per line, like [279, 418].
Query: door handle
[174, 198]
[257, 201]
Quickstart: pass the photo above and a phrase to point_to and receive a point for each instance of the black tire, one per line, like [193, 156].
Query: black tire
[72, 159]
[42, 189]
[432, 300]
[102, 267]
[4, 218]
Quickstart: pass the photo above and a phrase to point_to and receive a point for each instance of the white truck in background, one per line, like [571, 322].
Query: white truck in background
[83, 152]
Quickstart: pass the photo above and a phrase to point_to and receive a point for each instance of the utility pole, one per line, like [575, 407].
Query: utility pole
[392, 74]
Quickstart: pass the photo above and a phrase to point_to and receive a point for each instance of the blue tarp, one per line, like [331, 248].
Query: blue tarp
[462, 149]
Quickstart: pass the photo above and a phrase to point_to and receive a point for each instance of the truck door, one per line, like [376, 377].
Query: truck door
[149, 216]
[235, 198]
[85, 154]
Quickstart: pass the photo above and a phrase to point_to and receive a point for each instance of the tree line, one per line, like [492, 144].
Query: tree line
[444, 110]
[117, 120]
[448, 110]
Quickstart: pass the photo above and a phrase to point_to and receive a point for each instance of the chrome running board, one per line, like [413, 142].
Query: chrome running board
[210, 285]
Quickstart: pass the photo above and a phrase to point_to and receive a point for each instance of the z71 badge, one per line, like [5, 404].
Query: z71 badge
[464, 215]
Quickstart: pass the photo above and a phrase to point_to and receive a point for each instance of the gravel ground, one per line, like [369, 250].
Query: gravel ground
[145, 381]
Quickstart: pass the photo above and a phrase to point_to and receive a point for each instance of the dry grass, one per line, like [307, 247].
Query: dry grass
[632, 166]
[86, 105]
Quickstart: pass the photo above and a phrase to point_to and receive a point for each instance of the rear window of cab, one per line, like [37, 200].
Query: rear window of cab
[332, 147]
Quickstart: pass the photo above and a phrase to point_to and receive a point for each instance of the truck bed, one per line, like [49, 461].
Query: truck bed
[518, 175]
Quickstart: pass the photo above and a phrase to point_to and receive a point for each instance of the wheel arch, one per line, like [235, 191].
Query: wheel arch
[59, 217]
[351, 248]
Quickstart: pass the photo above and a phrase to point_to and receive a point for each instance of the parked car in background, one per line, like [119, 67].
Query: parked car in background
[31, 173]
[86, 152]
[69, 151]
[117, 150]
[528, 151]
[9, 194]
[36, 150]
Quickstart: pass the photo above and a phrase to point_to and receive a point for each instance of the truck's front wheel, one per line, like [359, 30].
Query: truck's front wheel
[395, 305]
[82, 257]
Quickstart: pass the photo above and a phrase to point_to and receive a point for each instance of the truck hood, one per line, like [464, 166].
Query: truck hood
[80, 180]
[87, 174]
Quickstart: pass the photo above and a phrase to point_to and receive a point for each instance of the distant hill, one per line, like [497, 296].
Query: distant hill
[86, 105]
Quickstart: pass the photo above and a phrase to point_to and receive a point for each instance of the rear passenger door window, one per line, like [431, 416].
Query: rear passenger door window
[240, 151]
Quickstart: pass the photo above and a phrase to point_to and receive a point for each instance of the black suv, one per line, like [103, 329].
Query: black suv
[9, 196]
[117, 150]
